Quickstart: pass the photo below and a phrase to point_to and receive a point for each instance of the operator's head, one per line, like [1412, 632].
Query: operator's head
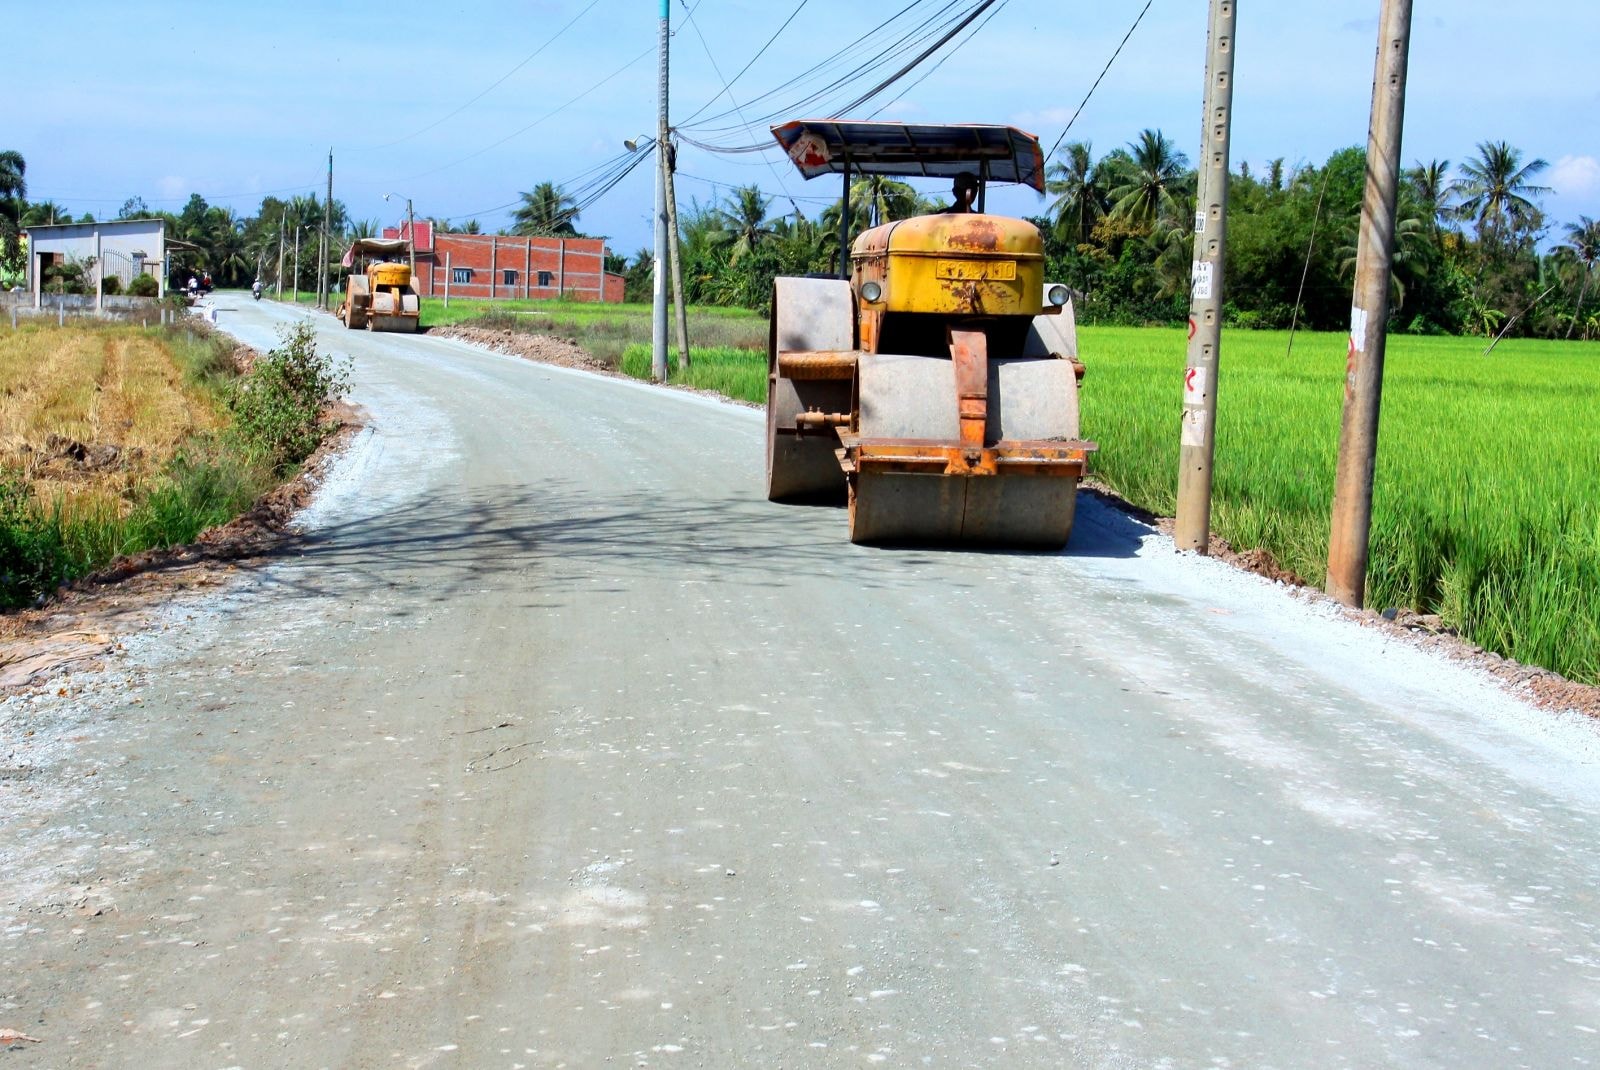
[966, 190]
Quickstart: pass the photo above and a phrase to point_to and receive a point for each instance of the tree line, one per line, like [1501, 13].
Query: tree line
[234, 249]
[1119, 228]
[1474, 251]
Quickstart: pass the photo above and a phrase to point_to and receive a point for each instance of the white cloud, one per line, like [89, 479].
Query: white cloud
[1576, 176]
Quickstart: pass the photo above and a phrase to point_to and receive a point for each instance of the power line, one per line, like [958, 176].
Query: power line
[727, 85]
[543, 118]
[493, 86]
[1085, 102]
[915, 39]
[934, 69]
[909, 67]
[844, 55]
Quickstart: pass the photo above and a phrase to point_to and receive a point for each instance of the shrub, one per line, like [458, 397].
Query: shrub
[31, 553]
[277, 407]
[144, 285]
[111, 285]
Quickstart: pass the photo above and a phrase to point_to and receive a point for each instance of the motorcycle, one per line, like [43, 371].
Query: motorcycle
[255, 291]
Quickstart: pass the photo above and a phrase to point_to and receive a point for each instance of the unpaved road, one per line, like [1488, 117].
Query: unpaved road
[553, 744]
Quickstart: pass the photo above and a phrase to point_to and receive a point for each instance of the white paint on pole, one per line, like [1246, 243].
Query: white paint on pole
[1196, 426]
[1358, 329]
[1205, 280]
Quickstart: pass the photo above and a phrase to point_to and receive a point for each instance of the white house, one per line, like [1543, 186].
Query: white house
[124, 248]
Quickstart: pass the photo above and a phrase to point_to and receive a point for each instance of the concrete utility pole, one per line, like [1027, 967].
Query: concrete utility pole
[1198, 444]
[323, 246]
[658, 335]
[675, 247]
[1369, 315]
[411, 231]
[298, 228]
[280, 253]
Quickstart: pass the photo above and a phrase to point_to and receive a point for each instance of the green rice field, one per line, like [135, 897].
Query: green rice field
[1486, 507]
[1487, 503]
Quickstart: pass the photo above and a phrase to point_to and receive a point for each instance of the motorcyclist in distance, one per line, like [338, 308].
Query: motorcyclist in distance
[255, 289]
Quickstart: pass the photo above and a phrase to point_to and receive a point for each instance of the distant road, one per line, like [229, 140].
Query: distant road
[555, 744]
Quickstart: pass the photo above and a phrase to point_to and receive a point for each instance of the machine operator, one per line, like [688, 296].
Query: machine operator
[965, 193]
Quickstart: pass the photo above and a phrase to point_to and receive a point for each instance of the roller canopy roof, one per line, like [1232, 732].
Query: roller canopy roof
[374, 247]
[908, 150]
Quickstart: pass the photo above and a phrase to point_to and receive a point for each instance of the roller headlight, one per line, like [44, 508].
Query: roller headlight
[872, 292]
[1057, 295]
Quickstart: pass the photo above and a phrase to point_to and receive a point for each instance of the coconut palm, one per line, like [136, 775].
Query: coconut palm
[1079, 186]
[1496, 189]
[44, 213]
[1583, 238]
[743, 217]
[1153, 172]
[546, 211]
[13, 194]
[1429, 184]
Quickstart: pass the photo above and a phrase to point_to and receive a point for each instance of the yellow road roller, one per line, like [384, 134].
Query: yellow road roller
[380, 291]
[934, 385]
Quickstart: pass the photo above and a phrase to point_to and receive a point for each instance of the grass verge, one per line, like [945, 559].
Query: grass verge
[115, 440]
[1486, 508]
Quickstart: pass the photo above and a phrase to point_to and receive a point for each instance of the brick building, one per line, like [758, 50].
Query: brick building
[502, 267]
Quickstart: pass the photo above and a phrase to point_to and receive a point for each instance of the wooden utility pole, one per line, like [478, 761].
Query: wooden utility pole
[323, 245]
[1198, 443]
[658, 334]
[1369, 315]
[675, 248]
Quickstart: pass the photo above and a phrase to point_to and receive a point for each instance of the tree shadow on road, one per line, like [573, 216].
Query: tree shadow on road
[557, 536]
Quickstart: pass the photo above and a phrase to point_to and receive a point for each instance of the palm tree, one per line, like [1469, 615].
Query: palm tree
[1155, 170]
[1496, 188]
[1429, 183]
[546, 211]
[44, 213]
[1080, 194]
[875, 199]
[1583, 238]
[743, 216]
[13, 194]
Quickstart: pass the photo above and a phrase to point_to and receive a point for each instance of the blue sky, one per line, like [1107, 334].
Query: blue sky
[236, 100]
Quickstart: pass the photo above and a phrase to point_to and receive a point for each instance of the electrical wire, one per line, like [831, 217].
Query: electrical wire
[934, 69]
[908, 42]
[543, 118]
[492, 86]
[1085, 102]
[847, 54]
[727, 84]
[911, 66]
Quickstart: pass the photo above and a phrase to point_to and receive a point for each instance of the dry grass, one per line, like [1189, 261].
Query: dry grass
[87, 413]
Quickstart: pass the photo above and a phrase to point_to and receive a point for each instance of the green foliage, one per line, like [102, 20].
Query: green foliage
[144, 285]
[277, 423]
[733, 372]
[32, 557]
[1503, 542]
[111, 285]
[277, 407]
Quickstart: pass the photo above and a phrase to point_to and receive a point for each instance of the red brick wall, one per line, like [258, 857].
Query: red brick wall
[578, 273]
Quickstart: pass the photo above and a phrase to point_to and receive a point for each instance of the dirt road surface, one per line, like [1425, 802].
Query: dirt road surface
[553, 744]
